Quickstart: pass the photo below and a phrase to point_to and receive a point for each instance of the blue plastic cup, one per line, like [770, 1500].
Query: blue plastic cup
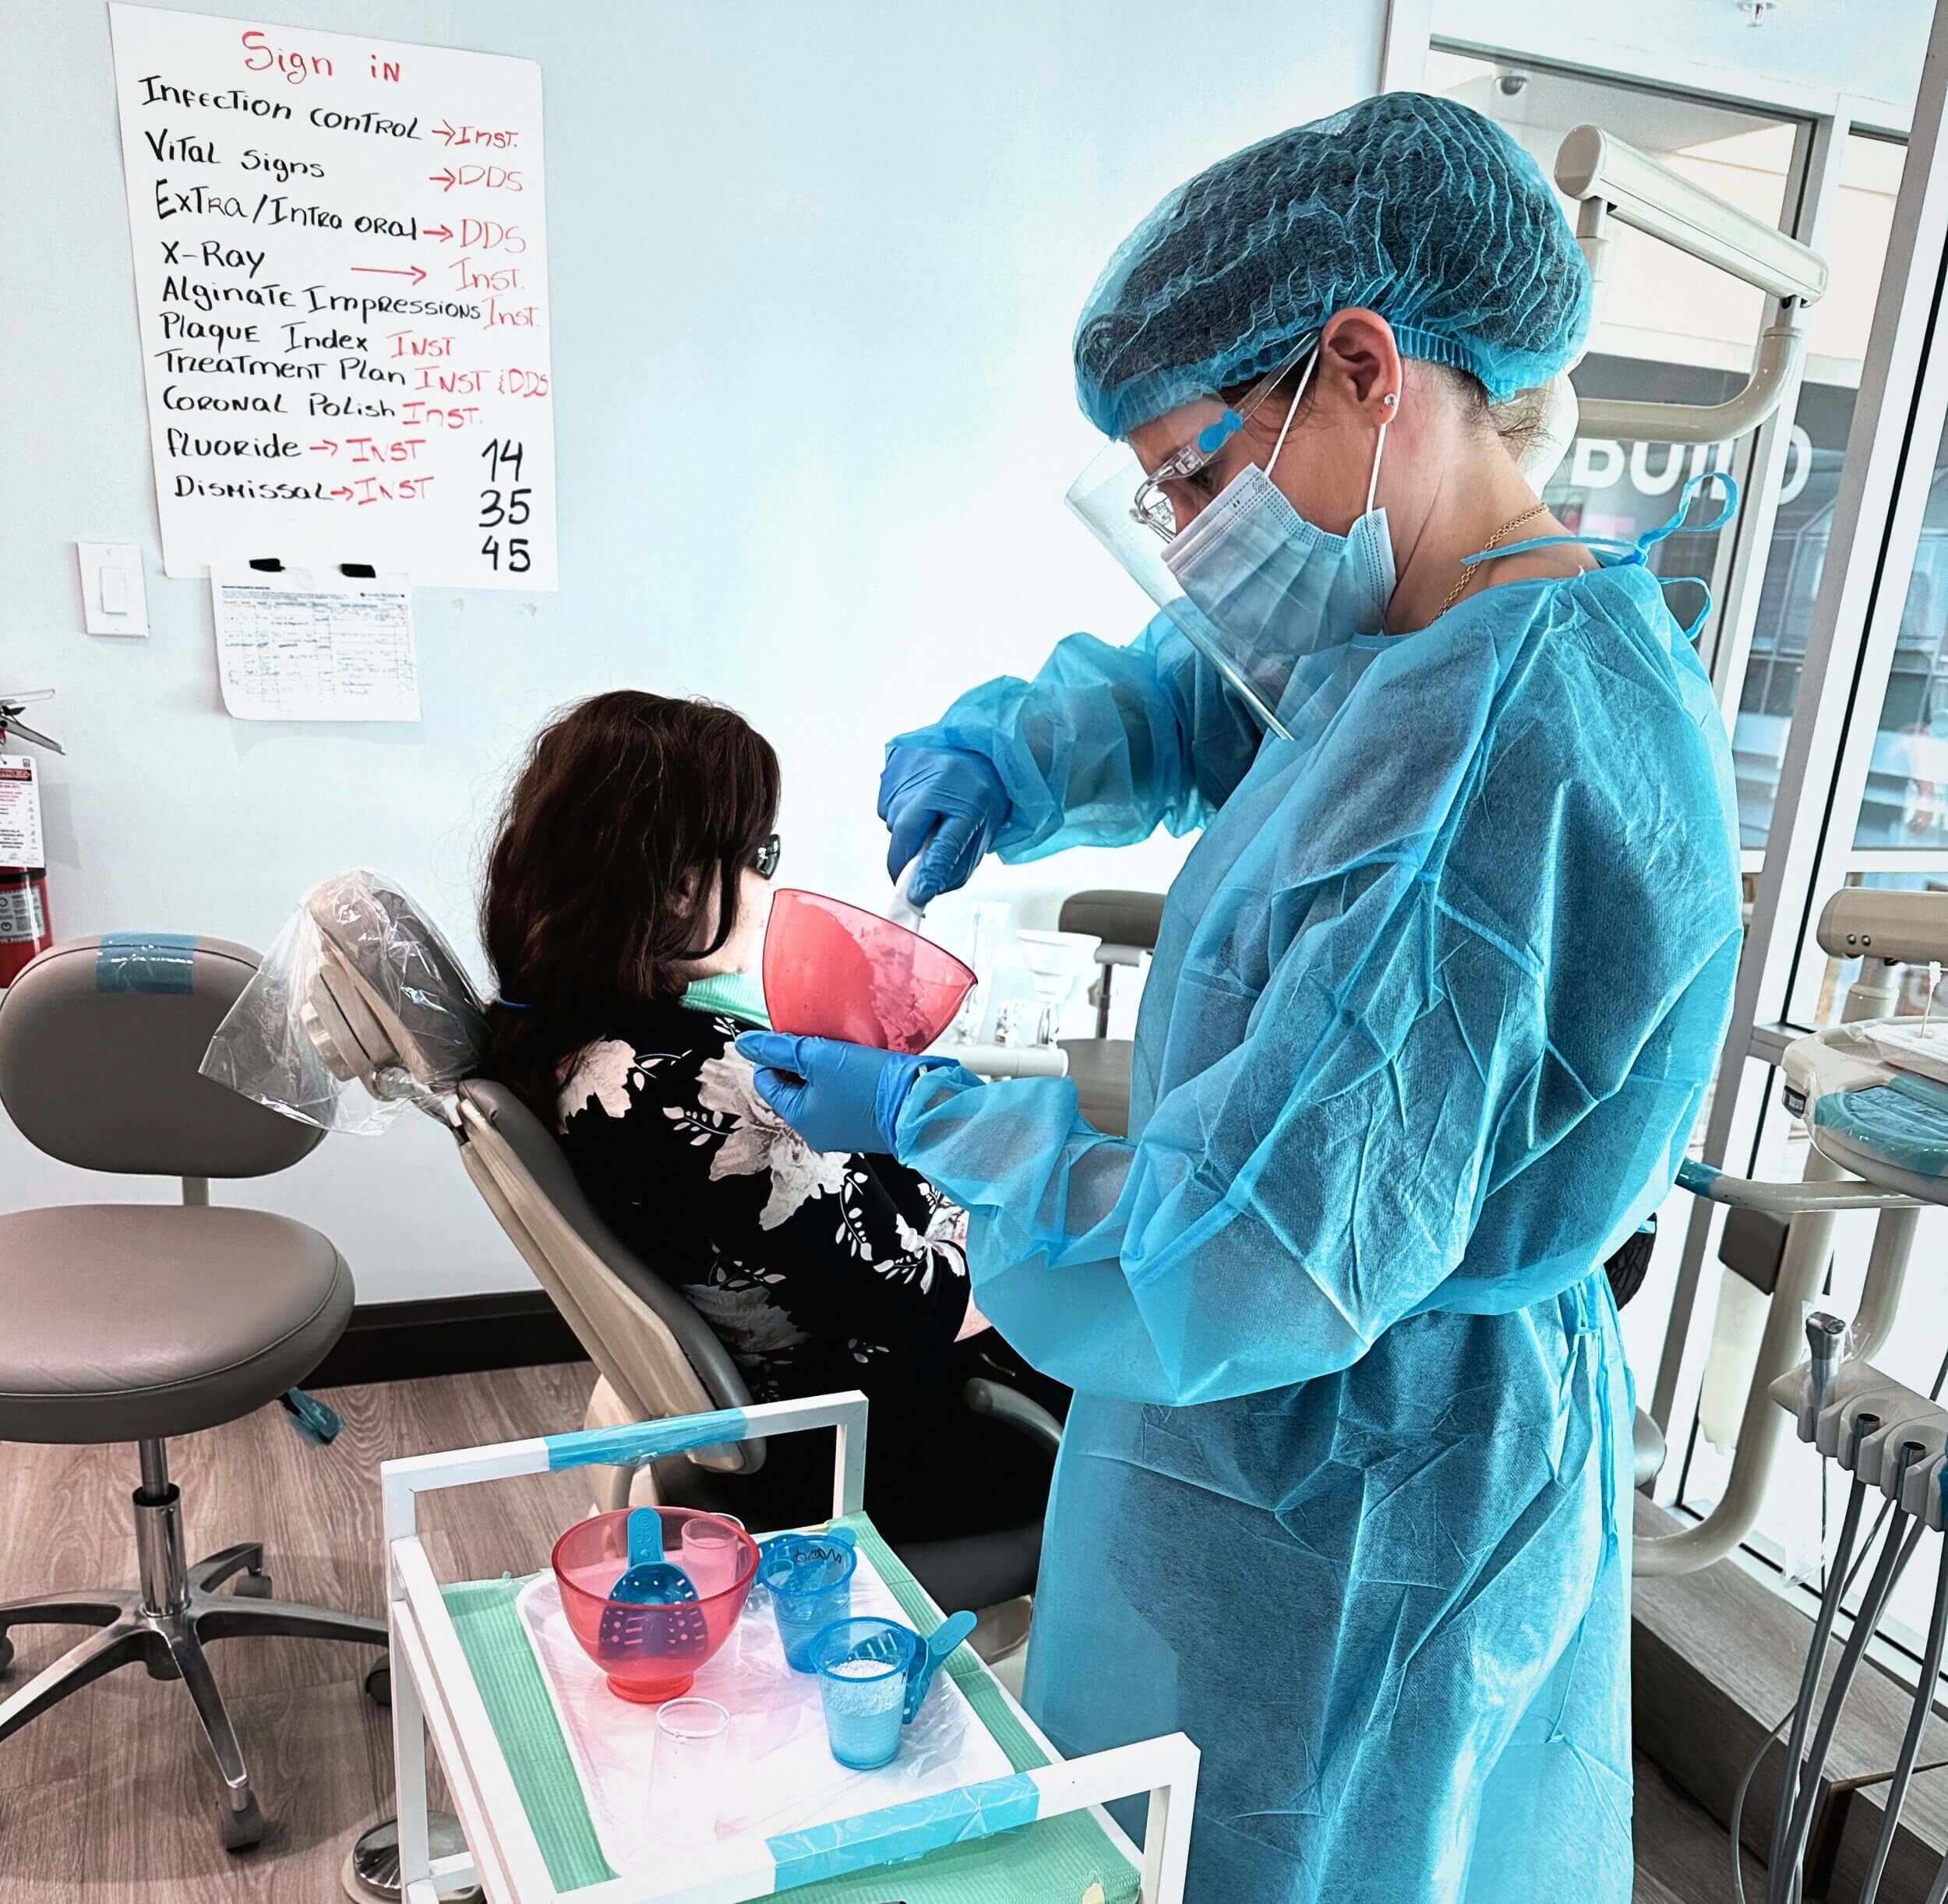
[864, 1666]
[810, 1583]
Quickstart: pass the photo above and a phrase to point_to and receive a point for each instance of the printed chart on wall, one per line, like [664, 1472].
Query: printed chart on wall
[341, 273]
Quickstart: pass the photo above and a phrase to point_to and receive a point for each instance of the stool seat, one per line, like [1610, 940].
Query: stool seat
[132, 1322]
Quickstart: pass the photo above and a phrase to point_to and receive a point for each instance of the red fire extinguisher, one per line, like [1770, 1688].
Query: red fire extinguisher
[27, 926]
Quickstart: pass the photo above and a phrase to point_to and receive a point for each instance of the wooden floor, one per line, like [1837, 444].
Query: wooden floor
[111, 1798]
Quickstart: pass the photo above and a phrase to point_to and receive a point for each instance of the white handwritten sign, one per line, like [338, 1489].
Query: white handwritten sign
[341, 271]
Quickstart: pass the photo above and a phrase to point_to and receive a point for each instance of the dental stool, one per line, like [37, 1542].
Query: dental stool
[140, 1321]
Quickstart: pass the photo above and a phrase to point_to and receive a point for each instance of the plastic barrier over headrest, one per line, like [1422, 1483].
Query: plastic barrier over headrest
[358, 988]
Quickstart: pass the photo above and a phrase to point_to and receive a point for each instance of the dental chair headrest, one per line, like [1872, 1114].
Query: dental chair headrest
[388, 990]
[359, 1008]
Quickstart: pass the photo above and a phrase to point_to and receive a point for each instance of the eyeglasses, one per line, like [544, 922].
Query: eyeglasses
[1152, 507]
[764, 857]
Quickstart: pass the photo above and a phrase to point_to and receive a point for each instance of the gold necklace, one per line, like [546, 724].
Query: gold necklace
[1470, 571]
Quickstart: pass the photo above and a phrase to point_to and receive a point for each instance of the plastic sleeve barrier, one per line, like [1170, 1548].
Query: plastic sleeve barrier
[146, 962]
[902, 1831]
[641, 1443]
[356, 959]
[318, 1422]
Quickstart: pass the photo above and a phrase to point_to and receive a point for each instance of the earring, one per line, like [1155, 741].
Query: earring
[1391, 400]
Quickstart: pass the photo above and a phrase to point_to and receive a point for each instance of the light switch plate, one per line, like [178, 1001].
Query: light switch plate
[113, 595]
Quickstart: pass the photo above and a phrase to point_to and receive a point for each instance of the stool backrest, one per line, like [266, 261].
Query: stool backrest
[99, 1041]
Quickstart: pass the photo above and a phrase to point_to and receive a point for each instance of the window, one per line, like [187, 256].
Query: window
[1670, 329]
[1865, 798]
[1836, 341]
[1675, 330]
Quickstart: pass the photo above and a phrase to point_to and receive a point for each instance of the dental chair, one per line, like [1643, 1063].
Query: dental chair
[390, 1009]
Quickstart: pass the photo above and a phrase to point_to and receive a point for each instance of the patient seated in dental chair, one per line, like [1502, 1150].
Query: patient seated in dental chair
[624, 912]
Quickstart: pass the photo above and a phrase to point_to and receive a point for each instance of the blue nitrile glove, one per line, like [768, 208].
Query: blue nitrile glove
[949, 801]
[838, 1097]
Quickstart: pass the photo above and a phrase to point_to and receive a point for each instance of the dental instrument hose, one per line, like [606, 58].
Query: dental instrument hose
[1910, 1739]
[1737, 1829]
[1782, 1883]
[1826, 1338]
[1837, 1582]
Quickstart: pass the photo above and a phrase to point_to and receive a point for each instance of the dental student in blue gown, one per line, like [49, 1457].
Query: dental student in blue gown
[1345, 1492]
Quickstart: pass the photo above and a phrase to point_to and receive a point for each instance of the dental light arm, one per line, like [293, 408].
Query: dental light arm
[1597, 168]
[1609, 179]
[1899, 928]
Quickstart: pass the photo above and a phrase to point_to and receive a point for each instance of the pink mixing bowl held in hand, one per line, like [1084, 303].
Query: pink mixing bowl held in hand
[836, 970]
[652, 1653]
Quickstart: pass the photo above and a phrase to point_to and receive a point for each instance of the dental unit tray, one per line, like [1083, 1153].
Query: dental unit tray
[1875, 1097]
[549, 1772]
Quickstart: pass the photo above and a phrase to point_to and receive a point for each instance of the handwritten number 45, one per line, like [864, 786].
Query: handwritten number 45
[516, 551]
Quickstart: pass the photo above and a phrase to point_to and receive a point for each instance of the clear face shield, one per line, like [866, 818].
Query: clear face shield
[1134, 513]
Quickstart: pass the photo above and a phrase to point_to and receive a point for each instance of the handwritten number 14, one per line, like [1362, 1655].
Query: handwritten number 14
[503, 455]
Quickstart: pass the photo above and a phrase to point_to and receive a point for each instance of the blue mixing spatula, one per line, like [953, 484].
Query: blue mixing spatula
[658, 1612]
[934, 1649]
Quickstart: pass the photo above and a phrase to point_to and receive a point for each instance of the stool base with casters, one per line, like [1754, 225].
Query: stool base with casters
[165, 1622]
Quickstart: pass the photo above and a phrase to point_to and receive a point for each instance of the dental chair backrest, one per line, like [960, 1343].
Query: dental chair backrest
[389, 1008]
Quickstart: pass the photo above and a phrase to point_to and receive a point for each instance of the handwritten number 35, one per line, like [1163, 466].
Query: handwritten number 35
[513, 512]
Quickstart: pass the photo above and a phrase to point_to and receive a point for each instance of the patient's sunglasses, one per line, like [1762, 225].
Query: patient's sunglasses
[764, 859]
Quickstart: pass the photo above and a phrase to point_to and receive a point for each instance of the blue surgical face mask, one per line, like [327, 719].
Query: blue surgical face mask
[1276, 590]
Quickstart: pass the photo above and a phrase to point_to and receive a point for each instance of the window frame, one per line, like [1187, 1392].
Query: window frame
[1900, 415]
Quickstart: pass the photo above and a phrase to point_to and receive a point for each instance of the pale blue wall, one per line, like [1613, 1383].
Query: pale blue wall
[814, 272]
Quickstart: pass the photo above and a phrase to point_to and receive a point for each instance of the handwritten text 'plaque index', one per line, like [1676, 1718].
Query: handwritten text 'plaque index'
[341, 269]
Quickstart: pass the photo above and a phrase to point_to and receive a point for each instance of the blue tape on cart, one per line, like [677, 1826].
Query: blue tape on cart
[157, 963]
[641, 1443]
[897, 1832]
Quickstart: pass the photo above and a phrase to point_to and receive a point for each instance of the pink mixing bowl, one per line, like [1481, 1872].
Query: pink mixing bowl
[836, 970]
[652, 1653]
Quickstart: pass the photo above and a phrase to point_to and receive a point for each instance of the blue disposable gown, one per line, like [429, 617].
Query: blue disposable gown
[1345, 1493]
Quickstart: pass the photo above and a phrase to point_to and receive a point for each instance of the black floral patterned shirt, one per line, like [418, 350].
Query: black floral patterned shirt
[818, 1272]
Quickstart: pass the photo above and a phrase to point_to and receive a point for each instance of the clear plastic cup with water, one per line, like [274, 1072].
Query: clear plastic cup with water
[712, 1551]
[687, 1771]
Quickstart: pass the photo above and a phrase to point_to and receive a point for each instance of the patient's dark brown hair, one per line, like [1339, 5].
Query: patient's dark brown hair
[628, 807]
